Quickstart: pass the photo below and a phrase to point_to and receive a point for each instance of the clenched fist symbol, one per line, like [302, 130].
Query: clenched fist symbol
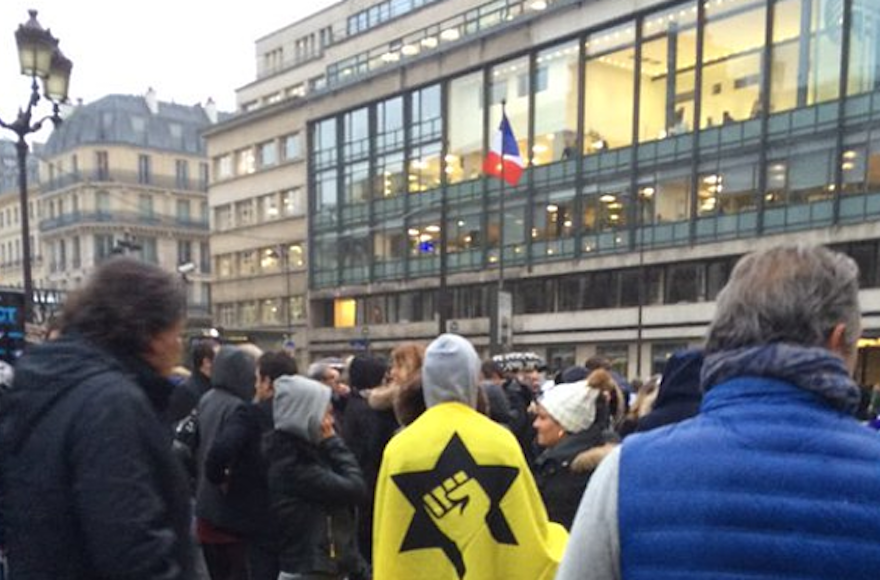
[458, 507]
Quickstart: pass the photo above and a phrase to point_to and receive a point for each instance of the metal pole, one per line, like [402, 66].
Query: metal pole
[21, 148]
[286, 257]
[501, 209]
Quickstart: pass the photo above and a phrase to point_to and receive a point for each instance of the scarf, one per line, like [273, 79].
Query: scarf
[813, 369]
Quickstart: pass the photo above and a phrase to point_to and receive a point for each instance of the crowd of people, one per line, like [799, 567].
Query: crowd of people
[743, 460]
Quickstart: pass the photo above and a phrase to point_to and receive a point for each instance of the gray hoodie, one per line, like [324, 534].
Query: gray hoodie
[299, 406]
[234, 372]
[450, 371]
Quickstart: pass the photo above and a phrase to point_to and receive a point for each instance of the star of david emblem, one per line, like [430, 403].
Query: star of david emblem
[455, 466]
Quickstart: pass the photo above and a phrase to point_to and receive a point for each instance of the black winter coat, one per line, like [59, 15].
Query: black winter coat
[561, 486]
[315, 490]
[89, 486]
[237, 462]
[186, 395]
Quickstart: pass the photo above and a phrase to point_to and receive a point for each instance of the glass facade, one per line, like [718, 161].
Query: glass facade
[703, 121]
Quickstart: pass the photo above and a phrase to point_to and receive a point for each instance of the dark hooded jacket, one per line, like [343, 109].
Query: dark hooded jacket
[89, 486]
[315, 485]
[232, 381]
[679, 395]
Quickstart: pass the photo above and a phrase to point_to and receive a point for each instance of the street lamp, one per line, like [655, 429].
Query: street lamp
[40, 58]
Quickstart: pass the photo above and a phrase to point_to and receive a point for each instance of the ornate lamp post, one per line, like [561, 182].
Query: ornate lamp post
[41, 59]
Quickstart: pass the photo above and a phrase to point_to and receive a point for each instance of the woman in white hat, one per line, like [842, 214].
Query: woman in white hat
[571, 421]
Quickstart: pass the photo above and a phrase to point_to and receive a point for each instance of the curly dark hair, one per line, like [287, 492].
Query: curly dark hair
[124, 304]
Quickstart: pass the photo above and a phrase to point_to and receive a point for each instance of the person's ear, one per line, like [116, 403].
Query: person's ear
[837, 339]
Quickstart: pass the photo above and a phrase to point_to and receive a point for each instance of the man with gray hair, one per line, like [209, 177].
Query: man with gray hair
[775, 477]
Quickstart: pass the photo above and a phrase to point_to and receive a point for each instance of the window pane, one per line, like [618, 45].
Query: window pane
[864, 47]
[465, 116]
[732, 64]
[556, 113]
[667, 100]
[609, 82]
[824, 50]
[390, 178]
[504, 79]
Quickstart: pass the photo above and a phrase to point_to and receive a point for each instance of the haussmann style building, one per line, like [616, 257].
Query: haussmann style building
[126, 174]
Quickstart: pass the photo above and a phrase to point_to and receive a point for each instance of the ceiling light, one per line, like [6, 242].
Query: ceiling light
[450, 34]
[607, 198]
[552, 208]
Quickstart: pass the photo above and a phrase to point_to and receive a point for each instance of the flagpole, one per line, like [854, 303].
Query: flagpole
[501, 208]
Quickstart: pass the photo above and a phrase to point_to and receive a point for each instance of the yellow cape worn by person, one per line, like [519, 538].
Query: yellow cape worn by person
[456, 501]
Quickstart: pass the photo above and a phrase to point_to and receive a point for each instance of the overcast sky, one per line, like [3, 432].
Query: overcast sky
[187, 50]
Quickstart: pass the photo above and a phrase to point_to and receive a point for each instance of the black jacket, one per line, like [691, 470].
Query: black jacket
[520, 398]
[314, 491]
[560, 484]
[89, 487]
[236, 460]
[185, 396]
[233, 385]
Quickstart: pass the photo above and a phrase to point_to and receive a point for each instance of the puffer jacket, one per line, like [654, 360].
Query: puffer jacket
[769, 481]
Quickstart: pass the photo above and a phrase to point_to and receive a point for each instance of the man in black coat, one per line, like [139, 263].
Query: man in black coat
[237, 463]
[89, 486]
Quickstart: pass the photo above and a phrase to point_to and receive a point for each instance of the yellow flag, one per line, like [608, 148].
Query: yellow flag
[455, 500]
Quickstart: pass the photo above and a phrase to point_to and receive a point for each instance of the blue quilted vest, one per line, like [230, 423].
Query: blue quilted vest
[767, 482]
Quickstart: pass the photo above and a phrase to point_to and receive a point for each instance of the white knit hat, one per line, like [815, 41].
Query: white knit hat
[572, 405]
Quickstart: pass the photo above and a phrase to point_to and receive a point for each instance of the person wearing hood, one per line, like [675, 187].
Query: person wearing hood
[90, 488]
[679, 394]
[223, 509]
[570, 421]
[455, 498]
[237, 463]
[774, 477]
[315, 485]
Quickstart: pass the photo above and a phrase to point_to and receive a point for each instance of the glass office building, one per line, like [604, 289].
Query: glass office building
[659, 147]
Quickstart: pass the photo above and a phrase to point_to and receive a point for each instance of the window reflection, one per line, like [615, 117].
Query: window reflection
[863, 48]
[805, 63]
[514, 232]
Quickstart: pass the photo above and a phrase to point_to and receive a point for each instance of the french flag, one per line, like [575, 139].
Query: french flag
[504, 161]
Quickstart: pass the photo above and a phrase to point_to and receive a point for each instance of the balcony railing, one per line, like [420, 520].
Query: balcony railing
[124, 177]
[121, 218]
